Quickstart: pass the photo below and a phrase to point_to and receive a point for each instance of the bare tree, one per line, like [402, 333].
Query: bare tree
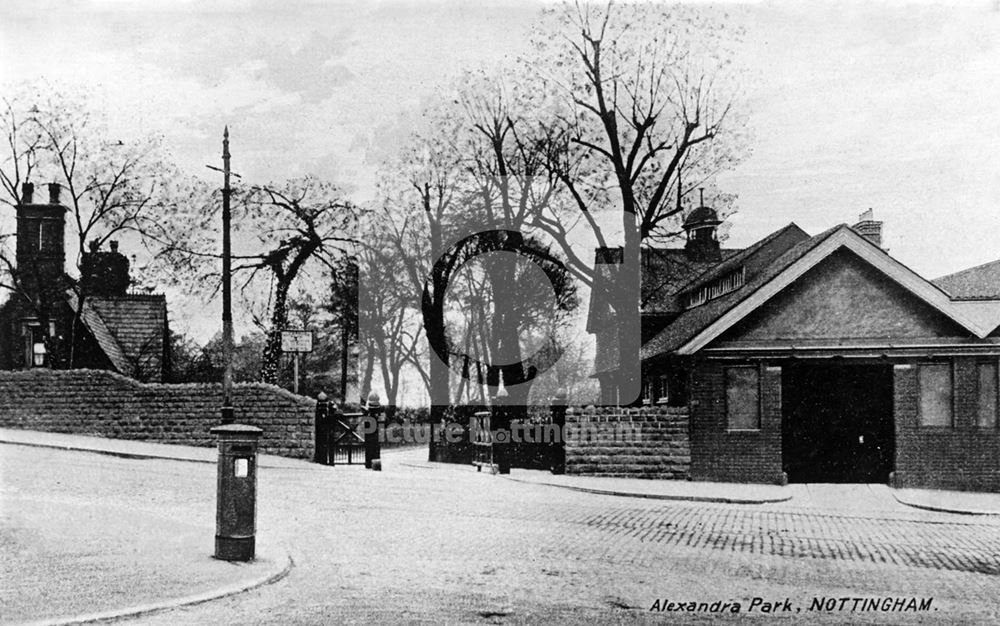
[114, 188]
[421, 197]
[281, 234]
[646, 112]
[389, 313]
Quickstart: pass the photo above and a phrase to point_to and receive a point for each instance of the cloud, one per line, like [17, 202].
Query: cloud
[310, 70]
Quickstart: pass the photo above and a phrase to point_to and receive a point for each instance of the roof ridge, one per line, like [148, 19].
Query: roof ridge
[129, 296]
[740, 256]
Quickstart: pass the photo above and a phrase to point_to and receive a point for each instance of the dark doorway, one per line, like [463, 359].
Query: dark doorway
[837, 422]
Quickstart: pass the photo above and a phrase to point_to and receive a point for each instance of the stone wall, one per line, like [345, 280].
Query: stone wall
[647, 442]
[105, 404]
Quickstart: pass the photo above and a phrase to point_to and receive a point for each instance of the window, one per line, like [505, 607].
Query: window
[666, 393]
[35, 354]
[716, 288]
[742, 398]
[987, 413]
[935, 394]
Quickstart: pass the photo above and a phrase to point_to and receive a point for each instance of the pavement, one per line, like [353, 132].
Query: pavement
[146, 557]
[691, 491]
[88, 536]
[131, 449]
[799, 495]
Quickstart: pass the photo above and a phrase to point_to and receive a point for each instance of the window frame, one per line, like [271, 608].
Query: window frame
[950, 365]
[758, 404]
[996, 394]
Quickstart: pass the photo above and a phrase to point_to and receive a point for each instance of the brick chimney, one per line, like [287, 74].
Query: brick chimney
[105, 273]
[869, 228]
[40, 252]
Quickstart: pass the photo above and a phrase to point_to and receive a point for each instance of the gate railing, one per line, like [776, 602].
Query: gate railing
[343, 439]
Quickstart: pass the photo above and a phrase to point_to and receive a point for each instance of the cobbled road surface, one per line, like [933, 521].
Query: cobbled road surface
[417, 543]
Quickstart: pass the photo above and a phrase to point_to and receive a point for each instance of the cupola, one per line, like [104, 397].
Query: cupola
[701, 227]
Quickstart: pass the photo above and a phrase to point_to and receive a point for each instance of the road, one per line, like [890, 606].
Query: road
[440, 544]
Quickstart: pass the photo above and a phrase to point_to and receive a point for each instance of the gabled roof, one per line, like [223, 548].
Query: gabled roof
[698, 326]
[97, 327]
[756, 257]
[769, 255]
[130, 330]
[977, 283]
[138, 323]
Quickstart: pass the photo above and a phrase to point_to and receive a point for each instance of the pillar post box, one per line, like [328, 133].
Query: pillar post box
[236, 499]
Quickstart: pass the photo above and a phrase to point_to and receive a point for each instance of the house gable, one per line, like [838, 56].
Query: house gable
[811, 255]
[843, 297]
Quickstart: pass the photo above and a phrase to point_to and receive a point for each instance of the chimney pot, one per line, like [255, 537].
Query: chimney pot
[869, 228]
[27, 193]
[114, 245]
[54, 189]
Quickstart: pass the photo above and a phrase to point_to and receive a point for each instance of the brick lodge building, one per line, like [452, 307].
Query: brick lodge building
[119, 331]
[816, 358]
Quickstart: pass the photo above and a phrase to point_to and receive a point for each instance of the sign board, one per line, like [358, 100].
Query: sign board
[296, 341]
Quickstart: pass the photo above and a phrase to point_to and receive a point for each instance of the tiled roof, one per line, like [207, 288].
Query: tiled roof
[105, 339]
[666, 271]
[768, 258]
[138, 323]
[981, 282]
[130, 330]
[756, 257]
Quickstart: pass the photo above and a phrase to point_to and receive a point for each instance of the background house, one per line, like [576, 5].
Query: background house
[117, 330]
[819, 359]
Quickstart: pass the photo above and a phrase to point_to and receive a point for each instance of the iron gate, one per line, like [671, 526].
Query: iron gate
[339, 436]
[347, 443]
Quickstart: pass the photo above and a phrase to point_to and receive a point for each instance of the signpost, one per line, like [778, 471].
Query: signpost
[296, 342]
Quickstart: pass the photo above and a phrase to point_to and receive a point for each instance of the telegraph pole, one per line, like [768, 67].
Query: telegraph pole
[227, 295]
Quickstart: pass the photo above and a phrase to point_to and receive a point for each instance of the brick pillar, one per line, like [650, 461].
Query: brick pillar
[904, 414]
[770, 421]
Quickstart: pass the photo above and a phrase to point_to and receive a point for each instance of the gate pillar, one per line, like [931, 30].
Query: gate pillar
[373, 447]
[321, 452]
[557, 446]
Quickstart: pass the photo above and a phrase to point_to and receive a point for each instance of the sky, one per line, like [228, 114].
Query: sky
[889, 106]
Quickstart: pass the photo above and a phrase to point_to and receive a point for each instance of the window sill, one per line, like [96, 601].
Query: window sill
[737, 431]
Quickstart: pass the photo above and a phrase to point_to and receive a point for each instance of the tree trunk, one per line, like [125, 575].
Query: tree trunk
[506, 358]
[366, 375]
[272, 349]
[344, 345]
[434, 327]
[627, 306]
